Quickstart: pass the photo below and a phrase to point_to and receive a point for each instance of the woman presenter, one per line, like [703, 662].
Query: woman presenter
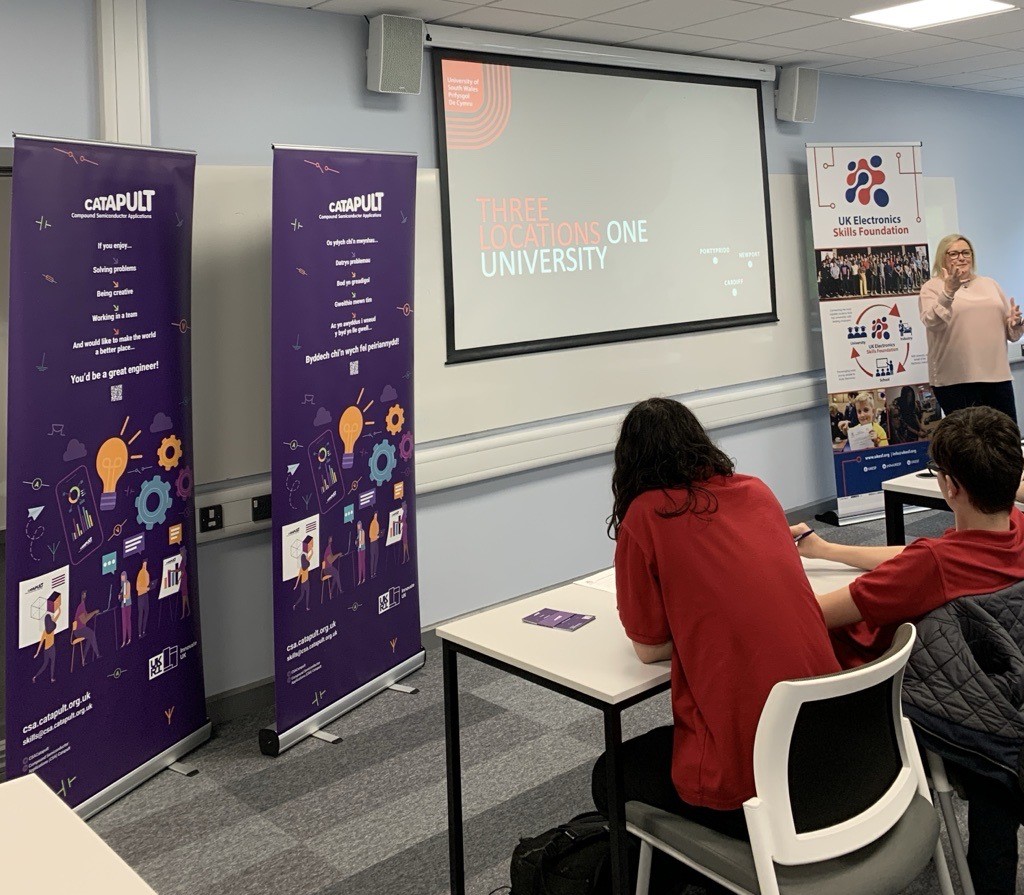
[968, 320]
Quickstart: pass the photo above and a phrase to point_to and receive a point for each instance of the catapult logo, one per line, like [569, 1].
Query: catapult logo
[865, 182]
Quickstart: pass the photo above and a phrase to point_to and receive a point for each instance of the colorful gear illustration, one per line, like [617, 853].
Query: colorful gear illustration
[395, 419]
[169, 452]
[381, 473]
[148, 515]
[405, 446]
[183, 485]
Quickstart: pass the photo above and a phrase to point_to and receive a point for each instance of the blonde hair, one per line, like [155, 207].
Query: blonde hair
[865, 398]
[943, 247]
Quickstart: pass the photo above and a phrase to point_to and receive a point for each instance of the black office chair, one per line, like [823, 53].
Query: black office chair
[842, 804]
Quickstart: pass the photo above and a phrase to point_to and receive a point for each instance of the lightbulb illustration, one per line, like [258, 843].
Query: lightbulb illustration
[111, 461]
[350, 428]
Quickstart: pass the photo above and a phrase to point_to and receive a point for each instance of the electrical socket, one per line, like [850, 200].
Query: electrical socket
[211, 518]
[261, 508]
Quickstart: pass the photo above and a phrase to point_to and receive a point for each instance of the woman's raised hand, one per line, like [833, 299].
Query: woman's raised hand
[953, 279]
[1013, 319]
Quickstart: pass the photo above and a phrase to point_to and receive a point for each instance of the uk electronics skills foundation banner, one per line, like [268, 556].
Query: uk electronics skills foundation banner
[346, 607]
[871, 258]
[104, 671]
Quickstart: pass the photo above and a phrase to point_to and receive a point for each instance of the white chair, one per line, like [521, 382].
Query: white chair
[842, 804]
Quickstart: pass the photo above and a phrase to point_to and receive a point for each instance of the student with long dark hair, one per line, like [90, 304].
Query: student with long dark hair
[708, 578]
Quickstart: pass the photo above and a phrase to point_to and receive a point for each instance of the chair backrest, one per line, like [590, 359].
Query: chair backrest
[832, 765]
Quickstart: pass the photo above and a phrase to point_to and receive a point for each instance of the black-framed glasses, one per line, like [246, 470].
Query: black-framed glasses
[960, 253]
[934, 468]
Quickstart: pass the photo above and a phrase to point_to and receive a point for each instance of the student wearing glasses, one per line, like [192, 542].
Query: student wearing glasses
[968, 321]
[976, 455]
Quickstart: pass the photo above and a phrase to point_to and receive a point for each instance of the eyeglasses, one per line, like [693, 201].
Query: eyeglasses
[961, 253]
[935, 468]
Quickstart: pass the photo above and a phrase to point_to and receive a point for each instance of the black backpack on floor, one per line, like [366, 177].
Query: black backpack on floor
[571, 859]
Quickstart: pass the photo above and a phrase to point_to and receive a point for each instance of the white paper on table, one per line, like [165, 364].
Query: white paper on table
[860, 438]
[600, 580]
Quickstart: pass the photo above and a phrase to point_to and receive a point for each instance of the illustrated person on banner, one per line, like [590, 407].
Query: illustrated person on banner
[125, 597]
[142, 590]
[968, 321]
[47, 640]
[81, 631]
[302, 579]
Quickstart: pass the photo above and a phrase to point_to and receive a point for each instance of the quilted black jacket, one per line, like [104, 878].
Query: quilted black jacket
[964, 685]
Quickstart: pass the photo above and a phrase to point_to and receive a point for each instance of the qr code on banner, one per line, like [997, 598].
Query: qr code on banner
[353, 368]
[116, 392]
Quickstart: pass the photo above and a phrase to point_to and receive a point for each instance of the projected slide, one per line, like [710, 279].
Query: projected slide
[586, 205]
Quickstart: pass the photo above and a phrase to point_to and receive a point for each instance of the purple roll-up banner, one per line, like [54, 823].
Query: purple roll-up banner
[346, 601]
[104, 677]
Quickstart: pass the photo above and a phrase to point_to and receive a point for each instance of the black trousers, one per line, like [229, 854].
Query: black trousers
[647, 777]
[978, 394]
[994, 813]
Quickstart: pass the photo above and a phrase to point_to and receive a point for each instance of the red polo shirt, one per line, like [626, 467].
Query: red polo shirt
[728, 589]
[927, 574]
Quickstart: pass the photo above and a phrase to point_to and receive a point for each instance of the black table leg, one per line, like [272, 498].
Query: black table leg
[453, 756]
[616, 803]
[894, 530]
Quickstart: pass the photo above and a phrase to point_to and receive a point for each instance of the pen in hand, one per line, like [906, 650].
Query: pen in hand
[803, 535]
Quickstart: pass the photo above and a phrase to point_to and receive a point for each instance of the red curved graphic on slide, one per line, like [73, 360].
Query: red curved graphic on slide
[477, 103]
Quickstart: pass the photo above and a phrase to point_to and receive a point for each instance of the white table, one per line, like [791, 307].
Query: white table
[48, 848]
[914, 489]
[595, 665]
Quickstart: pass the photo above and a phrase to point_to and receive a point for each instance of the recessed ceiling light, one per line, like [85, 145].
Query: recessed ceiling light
[926, 13]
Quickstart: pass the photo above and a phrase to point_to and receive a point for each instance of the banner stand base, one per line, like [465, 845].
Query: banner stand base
[273, 743]
[331, 738]
[143, 772]
[186, 770]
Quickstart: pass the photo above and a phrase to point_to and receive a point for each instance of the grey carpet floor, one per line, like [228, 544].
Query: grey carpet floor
[369, 815]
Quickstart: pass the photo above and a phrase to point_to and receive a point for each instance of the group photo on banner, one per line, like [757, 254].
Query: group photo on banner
[871, 260]
[104, 673]
[346, 601]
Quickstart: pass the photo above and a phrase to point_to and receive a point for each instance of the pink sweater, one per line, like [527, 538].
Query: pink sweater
[967, 334]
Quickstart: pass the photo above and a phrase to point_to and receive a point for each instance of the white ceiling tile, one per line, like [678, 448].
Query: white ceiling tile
[1012, 41]
[962, 80]
[675, 42]
[829, 34]
[994, 60]
[673, 15]
[891, 42]
[866, 67]
[428, 10]
[489, 18]
[983, 27]
[597, 32]
[301, 4]
[937, 70]
[946, 53]
[811, 58]
[840, 8]
[756, 24]
[1011, 84]
[911, 75]
[747, 52]
[993, 85]
[572, 9]
[1005, 71]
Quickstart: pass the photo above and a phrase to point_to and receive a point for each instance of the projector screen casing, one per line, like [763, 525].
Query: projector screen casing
[765, 298]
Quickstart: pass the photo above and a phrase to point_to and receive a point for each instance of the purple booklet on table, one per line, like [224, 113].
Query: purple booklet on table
[554, 618]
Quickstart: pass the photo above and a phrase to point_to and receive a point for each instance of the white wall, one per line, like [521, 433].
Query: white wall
[229, 78]
[48, 69]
